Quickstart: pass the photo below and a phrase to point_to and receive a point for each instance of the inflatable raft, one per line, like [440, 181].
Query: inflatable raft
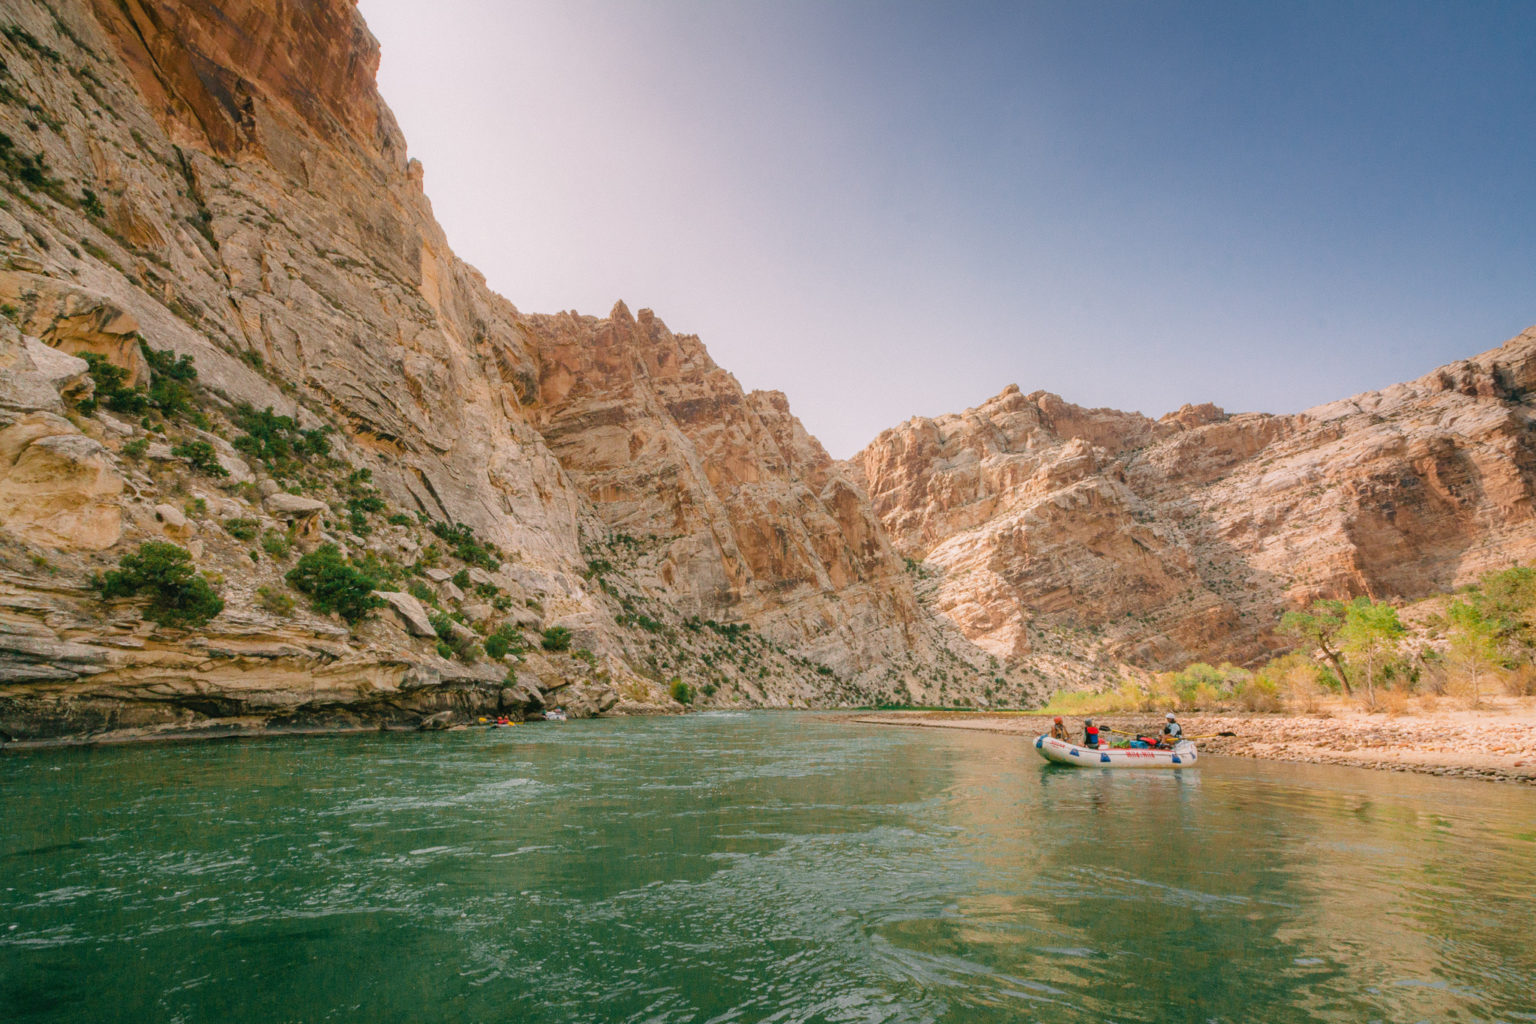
[1182, 755]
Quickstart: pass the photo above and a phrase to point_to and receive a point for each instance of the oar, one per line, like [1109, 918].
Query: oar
[1137, 735]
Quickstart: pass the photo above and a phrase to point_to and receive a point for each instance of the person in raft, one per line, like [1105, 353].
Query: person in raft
[1090, 734]
[1172, 734]
[1059, 730]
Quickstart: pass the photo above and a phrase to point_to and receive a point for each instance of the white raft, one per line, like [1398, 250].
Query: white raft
[1181, 755]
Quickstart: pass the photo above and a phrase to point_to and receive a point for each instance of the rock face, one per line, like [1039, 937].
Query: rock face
[224, 182]
[753, 520]
[1184, 538]
[592, 495]
[58, 487]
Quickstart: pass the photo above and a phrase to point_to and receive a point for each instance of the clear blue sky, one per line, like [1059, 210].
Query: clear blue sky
[887, 210]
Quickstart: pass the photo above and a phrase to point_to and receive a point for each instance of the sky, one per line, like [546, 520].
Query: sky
[893, 209]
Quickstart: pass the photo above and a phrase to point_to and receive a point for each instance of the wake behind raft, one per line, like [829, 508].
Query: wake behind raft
[1180, 755]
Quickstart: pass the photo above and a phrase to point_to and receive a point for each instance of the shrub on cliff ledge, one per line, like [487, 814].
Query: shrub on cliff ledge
[556, 638]
[333, 585]
[178, 595]
[506, 640]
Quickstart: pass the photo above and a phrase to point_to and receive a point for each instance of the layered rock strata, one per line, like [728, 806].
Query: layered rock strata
[223, 181]
[1185, 538]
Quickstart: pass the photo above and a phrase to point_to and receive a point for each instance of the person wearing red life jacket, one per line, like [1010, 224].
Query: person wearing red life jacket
[1090, 734]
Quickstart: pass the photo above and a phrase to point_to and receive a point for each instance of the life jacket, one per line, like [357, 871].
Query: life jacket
[1091, 736]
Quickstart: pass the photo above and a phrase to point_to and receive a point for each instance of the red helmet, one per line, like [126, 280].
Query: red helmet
[1058, 718]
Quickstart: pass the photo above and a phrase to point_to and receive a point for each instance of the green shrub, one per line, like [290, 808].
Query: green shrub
[111, 388]
[423, 593]
[274, 600]
[461, 579]
[381, 569]
[444, 650]
[172, 386]
[178, 595]
[400, 519]
[135, 449]
[241, 529]
[681, 692]
[556, 638]
[334, 585]
[202, 457]
[505, 640]
[276, 544]
[277, 441]
[458, 646]
[466, 546]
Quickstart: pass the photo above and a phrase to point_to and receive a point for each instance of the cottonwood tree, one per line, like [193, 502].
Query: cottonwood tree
[1474, 641]
[1320, 626]
[1371, 633]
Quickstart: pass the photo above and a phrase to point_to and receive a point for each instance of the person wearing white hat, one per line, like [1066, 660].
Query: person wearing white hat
[1172, 734]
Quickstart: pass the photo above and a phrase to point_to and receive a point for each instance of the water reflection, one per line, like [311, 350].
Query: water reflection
[766, 867]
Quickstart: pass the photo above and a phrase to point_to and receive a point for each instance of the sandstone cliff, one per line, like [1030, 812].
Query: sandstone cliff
[1184, 538]
[221, 184]
[222, 181]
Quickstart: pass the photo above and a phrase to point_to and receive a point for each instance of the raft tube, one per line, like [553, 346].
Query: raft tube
[1182, 755]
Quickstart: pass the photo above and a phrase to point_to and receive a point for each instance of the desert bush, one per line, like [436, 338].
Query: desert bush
[111, 388]
[178, 596]
[1520, 681]
[273, 600]
[556, 638]
[202, 457]
[681, 692]
[460, 647]
[241, 529]
[172, 381]
[1258, 694]
[276, 543]
[505, 640]
[1128, 696]
[334, 585]
[1393, 700]
[466, 546]
[277, 441]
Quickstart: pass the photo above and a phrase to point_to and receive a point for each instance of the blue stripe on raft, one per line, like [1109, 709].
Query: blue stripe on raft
[1103, 759]
[1176, 759]
[1039, 742]
[1075, 752]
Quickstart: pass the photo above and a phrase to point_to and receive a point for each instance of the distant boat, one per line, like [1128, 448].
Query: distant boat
[1180, 755]
[556, 715]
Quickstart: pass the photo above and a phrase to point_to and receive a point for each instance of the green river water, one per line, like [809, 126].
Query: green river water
[748, 867]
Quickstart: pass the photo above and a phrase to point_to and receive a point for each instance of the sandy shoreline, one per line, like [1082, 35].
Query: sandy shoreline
[1497, 744]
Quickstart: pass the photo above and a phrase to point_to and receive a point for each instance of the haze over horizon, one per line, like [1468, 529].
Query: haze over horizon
[894, 210]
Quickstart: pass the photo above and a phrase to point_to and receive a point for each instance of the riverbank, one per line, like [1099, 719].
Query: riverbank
[1497, 743]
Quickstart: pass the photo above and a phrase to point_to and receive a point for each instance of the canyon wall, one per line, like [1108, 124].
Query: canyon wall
[567, 509]
[223, 181]
[1185, 538]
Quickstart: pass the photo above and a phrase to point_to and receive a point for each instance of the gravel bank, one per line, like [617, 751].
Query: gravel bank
[1497, 743]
